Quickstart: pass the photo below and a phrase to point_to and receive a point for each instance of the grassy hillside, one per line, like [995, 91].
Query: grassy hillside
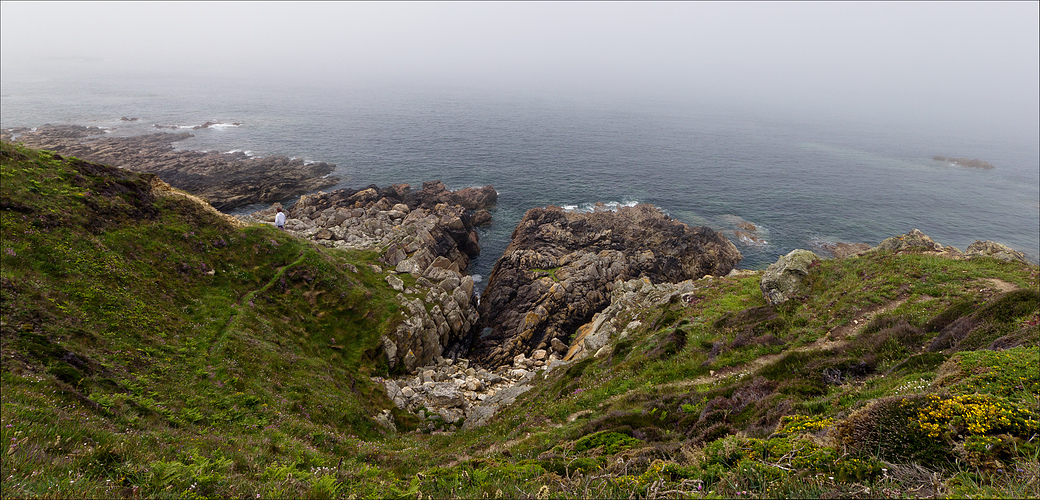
[147, 342]
[152, 349]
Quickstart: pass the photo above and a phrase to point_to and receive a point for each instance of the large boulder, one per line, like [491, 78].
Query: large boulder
[560, 267]
[785, 278]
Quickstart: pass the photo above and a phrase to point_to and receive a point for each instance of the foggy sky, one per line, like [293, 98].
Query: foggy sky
[959, 61]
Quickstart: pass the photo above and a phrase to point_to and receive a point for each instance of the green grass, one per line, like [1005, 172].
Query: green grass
[152, 350]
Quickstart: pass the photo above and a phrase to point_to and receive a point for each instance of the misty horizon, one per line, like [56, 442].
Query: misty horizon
[949, 65]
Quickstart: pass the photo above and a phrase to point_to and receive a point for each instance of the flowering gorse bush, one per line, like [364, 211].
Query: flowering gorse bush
[976, 414]
[803, 423]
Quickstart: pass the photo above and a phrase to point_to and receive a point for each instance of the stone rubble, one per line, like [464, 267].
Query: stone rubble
[450, 393]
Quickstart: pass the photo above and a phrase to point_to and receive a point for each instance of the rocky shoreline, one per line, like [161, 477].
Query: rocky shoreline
[226, 180]
[569, 285]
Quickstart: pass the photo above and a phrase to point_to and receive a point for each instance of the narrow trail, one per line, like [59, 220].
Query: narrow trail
[217, 344]
[836, 338]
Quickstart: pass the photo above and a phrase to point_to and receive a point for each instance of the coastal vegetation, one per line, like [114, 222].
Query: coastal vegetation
[152, 347]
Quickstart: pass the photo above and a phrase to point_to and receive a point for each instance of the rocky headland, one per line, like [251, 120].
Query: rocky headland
[226, 180]
[560, 268]
[542, 298]
[464, 390]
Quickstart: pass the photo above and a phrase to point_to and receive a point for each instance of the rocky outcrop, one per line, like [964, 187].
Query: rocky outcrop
[995, 250]
[914, 242]
[417, 234]
[841, 250]
[226, 180]
[560, 267]
[634, 297]
[965, 162]
[785, 278]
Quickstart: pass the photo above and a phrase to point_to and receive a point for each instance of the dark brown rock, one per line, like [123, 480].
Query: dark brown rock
[560, 267]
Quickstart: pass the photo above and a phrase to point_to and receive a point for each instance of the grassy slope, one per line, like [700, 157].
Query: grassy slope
[140, 331]
[150, 349]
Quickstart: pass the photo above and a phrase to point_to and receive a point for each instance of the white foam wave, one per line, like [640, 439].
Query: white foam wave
[612, 206]
[243, 151]
[477, 278]
[221, 126]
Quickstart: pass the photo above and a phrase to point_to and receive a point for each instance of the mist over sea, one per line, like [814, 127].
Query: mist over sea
[800, 179]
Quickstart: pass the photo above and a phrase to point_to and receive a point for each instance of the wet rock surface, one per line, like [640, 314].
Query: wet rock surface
[560, 267]
[226, 180]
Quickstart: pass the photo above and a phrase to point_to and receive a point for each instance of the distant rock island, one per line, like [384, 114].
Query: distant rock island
[965, 162]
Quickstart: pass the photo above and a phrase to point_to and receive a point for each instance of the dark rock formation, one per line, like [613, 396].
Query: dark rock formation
[560, 267]
[226, 180]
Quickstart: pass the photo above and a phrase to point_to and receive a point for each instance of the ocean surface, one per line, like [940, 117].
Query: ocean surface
[800, 180]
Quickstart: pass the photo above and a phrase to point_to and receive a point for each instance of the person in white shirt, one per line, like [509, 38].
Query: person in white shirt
[279, 219]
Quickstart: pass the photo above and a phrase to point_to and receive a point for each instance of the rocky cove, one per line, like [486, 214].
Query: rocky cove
[569, 286]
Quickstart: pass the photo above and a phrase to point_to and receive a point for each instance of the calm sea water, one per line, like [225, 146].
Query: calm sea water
[802, 181]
